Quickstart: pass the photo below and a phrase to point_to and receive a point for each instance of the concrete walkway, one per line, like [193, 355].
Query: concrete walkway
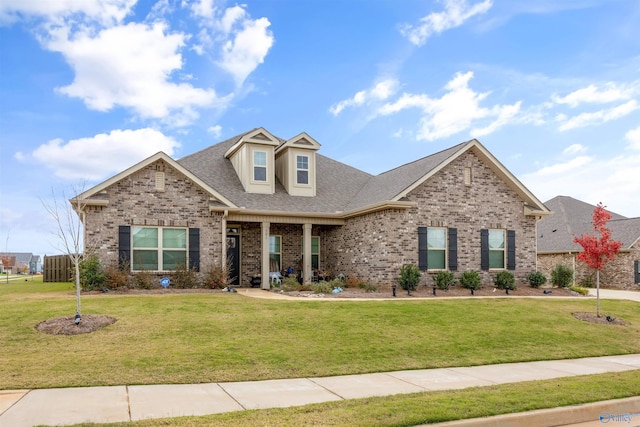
[66, 406]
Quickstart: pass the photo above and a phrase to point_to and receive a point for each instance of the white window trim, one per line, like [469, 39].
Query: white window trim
[503, 250]
[254, 166]
[445, 249]
[308, 170]
[160, 248]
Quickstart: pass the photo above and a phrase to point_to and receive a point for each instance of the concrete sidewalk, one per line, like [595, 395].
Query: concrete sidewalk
[22, 408]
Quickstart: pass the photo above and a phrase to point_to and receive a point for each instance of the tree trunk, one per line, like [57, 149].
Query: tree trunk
[77, 267]
[598, 293]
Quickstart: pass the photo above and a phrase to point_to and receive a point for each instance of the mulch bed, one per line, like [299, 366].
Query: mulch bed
[67, 326]
[593, 318]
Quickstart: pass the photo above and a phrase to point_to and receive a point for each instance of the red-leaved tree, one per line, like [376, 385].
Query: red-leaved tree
[597, 251]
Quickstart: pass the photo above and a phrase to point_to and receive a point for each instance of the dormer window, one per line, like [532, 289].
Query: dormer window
[302, 170]
[260, 166]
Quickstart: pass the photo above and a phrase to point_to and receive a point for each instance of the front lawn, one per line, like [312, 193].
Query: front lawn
[214, 337]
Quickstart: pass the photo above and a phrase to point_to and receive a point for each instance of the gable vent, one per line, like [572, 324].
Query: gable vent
[159, 181]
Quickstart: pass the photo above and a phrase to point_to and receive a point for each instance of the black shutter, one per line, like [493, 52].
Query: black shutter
[484, 249]
[636, 270]
[124, 246]
[422, 248]
[194, 249]
[453, 249]
[511, 250]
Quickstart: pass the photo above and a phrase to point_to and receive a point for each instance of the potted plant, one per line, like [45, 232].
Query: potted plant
[409, 277]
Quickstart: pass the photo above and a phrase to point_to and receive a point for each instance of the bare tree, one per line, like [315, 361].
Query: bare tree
[70, 232]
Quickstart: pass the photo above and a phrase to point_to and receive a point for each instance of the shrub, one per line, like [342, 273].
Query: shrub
[561, 276]
[352, 282]
[143, 280]
[91, 273]
[409, 277]
[321, 287]
[587, 282]
[505, 280]
[536, 279]
[443, 279]
[116, 275]
[290, 284]
[471, 280]
[185, 278]
[216, 278]
[579, 289]
[369, 287]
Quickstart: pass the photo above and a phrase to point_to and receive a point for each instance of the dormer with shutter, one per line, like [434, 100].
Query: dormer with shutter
[296, 165]
[253, 158]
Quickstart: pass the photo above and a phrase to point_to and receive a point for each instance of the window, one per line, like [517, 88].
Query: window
[302, 169]
[315, 251]
[275, 253]
[436, 248]
[496, 248]
[259, 165]
[159, 249]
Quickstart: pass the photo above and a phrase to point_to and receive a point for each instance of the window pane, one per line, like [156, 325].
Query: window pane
[496, 259]
[173, 260]
[145, 237]
[302, 177]
[315, 245]
[496, 239]
[145, 260]
[315, 262]
[174, 238]
[259, 158]
[435, 259]
[274, 244]
[436, 238]
[274, 262]
[259, 173]
[302, 162]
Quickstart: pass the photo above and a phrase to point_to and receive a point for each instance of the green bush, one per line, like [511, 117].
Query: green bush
[471, 280]
[290, 284]
[587, 282]
[579, 289]
[321, 287]
[91, 273]
[443, 279]
[536, 279]
[370, 287]
[505, 280]
[561, 276]
[409, 277]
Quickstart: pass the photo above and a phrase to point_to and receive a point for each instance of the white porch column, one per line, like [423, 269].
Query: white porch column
[306, 253]
[264, 270]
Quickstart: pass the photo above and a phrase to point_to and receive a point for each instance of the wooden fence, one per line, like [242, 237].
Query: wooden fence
[57, 268]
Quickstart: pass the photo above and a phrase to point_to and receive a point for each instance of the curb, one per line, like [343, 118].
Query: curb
[609, 412]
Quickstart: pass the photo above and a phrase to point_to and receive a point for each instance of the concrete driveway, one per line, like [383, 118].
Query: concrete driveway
[616, 294]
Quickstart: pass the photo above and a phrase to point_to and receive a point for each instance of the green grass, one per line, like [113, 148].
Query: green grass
[428, 407]
[199, 338]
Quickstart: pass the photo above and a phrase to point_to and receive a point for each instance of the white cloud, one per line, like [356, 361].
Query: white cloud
[633, 138]
[242, 54]
[592, 94]
[590, 179]
[204, 8]
[216, 131]
[96, 157]
[105, 11]
[597, 117]
[574, 149]
[379, 92]
[457, 110]
[455, 13]
[129, 66]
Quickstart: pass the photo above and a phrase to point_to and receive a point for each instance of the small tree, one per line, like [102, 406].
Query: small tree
[409, 277]
[597, 251]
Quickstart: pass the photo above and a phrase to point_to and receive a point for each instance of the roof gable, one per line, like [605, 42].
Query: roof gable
[86, 195]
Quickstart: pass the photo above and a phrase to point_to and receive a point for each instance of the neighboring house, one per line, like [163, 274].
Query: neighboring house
[262, 205]
[20, 262]
[573, 218]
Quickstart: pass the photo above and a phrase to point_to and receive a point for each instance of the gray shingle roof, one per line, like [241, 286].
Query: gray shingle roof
[572, 218]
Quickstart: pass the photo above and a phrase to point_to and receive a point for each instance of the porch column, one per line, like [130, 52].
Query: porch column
[264, 270]
[306, 253]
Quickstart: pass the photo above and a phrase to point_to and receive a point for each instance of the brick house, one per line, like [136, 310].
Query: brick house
[263, 205]
[573, 218]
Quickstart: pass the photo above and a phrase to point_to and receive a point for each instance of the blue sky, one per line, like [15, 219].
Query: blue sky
[91, 87]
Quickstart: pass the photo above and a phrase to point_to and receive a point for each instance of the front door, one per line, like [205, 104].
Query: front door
[233, 259]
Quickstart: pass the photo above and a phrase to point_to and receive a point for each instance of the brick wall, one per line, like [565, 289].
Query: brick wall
[135, 201]
[374, 247]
